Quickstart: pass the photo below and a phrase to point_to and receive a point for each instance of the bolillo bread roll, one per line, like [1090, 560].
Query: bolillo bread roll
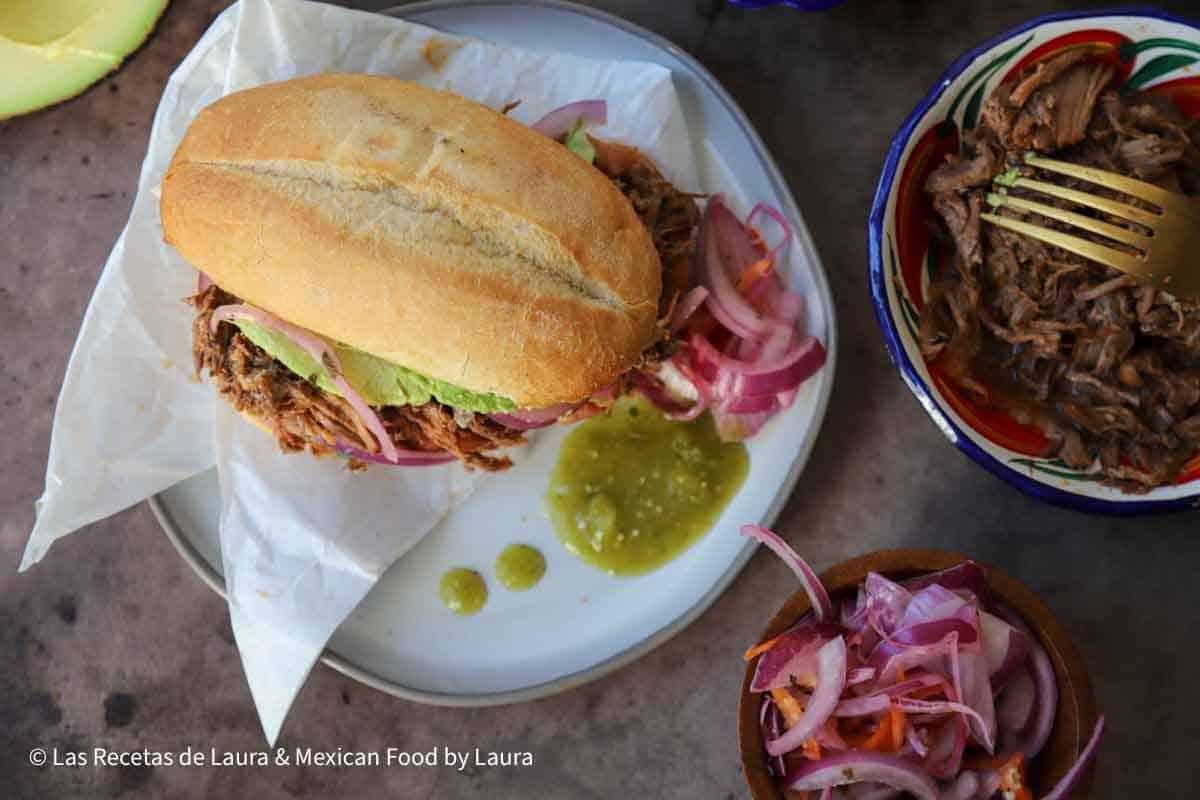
[420, 227]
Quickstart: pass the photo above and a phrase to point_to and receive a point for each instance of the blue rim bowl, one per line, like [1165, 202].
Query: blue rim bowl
[1162, 51]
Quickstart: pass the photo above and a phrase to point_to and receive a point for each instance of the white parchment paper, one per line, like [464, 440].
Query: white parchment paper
[302, 539]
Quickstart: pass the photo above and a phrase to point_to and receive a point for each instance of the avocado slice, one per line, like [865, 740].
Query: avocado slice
[380, 382]
[51, 50]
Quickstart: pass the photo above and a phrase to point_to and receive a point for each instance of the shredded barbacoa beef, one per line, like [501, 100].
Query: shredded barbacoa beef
[1110, 370]
[670, 215]
[304, 417]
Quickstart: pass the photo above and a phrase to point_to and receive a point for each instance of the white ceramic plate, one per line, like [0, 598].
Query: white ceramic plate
[578, 623]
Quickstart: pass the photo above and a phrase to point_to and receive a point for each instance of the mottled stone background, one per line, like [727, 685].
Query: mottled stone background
[112, 641]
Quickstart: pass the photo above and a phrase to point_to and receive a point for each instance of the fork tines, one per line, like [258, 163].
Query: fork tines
[1133, 263]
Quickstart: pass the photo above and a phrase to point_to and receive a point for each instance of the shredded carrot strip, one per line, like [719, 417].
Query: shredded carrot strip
[1012, 774]
[757, 240]
[887, 738]
[812, 749]
[788, 705]
[899, 722]
[752, 274]
[761, 647]
[793, 711]
[703, 322]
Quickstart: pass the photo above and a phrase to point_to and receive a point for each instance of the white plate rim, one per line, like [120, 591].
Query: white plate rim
[216, 581]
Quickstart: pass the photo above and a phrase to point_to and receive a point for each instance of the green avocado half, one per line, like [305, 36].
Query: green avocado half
[51, 50]
[380, 382]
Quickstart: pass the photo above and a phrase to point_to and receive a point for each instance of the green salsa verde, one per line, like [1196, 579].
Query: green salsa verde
[632, 489]
[519, 567]
[462, 591]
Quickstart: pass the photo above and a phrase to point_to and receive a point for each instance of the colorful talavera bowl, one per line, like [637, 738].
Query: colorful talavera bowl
[1152, 51]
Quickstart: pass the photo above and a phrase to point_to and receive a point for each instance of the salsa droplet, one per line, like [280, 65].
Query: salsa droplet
[519, 567]
[463, 591]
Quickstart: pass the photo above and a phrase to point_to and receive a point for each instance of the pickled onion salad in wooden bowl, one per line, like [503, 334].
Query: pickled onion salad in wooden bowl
[926, 684]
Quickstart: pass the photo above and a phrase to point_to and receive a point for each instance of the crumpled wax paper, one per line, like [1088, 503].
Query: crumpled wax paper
[302, 539]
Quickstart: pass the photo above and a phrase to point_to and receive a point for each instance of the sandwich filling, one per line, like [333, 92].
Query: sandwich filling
[380, 382]
[266, 375]
[303, 416]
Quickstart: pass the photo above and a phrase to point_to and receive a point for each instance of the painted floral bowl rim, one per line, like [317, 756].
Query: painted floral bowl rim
[1046, 479]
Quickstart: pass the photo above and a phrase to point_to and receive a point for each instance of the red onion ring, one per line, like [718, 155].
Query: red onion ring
[721, 230]
[769, 720]
[404, 458]
[1004, 647]
[859, 675]
[766, 404]
[967, 575]
[653, 390]
[964, 787]
[562, 119]
[831, 681]
[953, 763]
[910, 706]
[822, 607]
[977, 695]
[1047, 702]
[325, 355]
[765, 361]
[937, 603]
[1015, 706]
[787, 306]
[1086, 756]
[854, 766]
[731, 377]
[952, 766]
[736, 251]
[774, 214]
[793, 656]
[863, 706]
[884, 602]
[889, 658]
[942, 750]
[1046, 684]
[926, 633]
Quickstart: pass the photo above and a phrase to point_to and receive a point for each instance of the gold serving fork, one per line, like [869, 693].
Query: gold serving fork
[1168, 252]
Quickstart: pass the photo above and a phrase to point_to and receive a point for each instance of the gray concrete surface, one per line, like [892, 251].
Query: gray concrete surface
[112, 642]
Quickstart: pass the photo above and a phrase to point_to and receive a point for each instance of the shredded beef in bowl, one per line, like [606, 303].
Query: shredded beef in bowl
[1107, 369]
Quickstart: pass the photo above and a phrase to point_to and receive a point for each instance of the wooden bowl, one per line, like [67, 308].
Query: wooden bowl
[1076, 706]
